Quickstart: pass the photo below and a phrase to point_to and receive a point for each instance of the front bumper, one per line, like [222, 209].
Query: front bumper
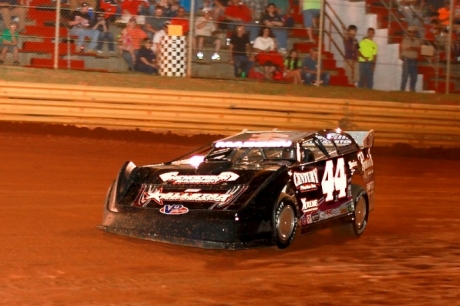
[204, 228]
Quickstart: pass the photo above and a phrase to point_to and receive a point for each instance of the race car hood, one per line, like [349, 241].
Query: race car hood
[178, 189]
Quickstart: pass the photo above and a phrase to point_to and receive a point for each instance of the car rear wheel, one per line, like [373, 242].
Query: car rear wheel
[285, 223]
[361, 212]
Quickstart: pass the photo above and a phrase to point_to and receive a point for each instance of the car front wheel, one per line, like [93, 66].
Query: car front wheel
[285, 223]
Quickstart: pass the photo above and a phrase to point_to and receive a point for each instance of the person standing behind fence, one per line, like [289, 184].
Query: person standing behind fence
[9, 43]
[239, 49]
[80, 23]
[10, 8]
[310, 12]
[351, 48]
[410, 48]
[368, 50]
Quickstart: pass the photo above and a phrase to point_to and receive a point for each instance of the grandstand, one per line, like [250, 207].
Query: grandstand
[38, 46]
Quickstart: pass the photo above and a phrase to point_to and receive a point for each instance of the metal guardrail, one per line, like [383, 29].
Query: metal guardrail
[184, 112]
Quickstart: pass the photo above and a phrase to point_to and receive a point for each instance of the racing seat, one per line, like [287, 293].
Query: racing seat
[307, 156]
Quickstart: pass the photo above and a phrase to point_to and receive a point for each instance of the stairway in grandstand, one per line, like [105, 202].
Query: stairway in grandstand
[433, 72]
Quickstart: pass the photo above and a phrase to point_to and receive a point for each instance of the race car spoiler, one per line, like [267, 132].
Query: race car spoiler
[365, 139]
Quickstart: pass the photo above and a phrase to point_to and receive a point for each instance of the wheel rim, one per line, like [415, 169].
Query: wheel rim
[286, 223]
[360, 212]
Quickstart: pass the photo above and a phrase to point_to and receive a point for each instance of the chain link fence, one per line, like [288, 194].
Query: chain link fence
[201, 39]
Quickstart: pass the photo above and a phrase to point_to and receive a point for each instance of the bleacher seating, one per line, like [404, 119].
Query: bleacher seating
[40, 43]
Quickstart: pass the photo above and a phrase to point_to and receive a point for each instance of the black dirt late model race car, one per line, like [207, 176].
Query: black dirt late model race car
[249, 190]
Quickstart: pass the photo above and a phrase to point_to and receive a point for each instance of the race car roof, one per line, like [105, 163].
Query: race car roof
[262, 139]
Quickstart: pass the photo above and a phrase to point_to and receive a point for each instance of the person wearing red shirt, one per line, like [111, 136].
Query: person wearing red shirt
[182, 20]
[131, 7]
[238, 13]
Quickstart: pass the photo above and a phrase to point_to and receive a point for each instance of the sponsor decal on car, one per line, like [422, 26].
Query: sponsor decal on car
[309, 205]
[175, 209]
[366, 163]
[334, 212]
[306, 219]
[175, 178]
[353, 165]
[148, 193]
[315, 217]
[306, 181]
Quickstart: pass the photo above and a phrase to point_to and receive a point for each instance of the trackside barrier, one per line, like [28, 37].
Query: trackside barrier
[185, 112]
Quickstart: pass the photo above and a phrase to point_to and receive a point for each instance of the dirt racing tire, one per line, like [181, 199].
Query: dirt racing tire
[361, 211]
[285, 221]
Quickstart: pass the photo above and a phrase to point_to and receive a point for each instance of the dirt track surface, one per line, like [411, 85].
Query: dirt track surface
[54, 182]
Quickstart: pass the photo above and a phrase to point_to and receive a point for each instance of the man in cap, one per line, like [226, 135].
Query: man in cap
[204, 29]
[80, 26]
[409, 50]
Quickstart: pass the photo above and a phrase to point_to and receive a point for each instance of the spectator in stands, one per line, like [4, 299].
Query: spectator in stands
[101, 24]
[309, 72]
[437, 37]
[132, 7]
[257, 7]
[293, 67]
[158, 37]
[170, 7]
[155, 23]
[80, 26]
[428, 12]
[310, 11]
[284, 8]
[204, 28]
[10, 8]
[182, 20]
[238, 13]
[444, 14]
[145, 58]
[367, 57]
[9, 42]
[351, 48]
[275, 22]
[219, 7]
[132, 35]
[240, 50]
[412, 11]
[265, 53]
[109, 7]
[409, 51]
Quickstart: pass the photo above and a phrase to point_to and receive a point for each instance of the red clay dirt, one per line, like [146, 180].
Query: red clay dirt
[54, 181]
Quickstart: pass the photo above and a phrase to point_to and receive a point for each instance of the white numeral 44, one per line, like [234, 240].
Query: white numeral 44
[334, 182]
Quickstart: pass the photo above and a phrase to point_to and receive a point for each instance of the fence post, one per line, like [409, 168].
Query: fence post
[56, 34]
